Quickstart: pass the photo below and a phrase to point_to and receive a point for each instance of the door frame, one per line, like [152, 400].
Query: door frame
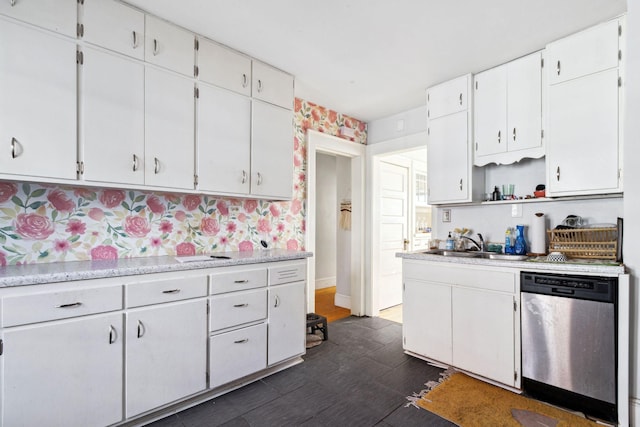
[318, 142]
[372, 235]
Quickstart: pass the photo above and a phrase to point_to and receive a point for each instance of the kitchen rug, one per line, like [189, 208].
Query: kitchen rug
[469, 402]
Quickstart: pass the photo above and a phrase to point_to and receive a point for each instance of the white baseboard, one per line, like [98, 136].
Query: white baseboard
[343, 301]
[325, 282]
[634, 412]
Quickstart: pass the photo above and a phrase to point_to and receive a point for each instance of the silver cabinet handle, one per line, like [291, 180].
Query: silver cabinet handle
[156, 50]
[259, 85]
[135, 163]
[514, 134]
[245, 81]
[277, 302]
[71, 305]
[460, 184]
[460, 98]
[558, 67]
[113, 334]
[241, 341]
[558, 173]
[241, 281]
[13, 3]
[135, 39]
[156, 165]
[171, 291]
[499, 136]
[15, 148]
[241, 305]
[244, 176]
[259, 182]
[141, 329]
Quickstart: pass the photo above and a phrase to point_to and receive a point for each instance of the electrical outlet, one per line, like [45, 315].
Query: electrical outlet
[446, 215]
[516, 210]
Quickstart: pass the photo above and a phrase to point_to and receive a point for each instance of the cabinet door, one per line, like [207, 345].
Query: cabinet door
[224, 141]
[448, 159]
[114, 26]
[66, 373]
[582, 143]
[55, 15]
[447, 98]
[166, 354]
[524, 101]
[490, 111]
[483, 331]
[287, 323]
[271, 151]
[38, 103]
[169, 46]
[169, 130]
[272, 85]
[223, 67]
[586, 52]
[112, 137]
[427, 303]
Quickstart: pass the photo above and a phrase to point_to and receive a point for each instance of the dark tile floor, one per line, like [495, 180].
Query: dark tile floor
[359, 377]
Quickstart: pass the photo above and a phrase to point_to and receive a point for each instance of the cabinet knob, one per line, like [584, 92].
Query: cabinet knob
[558, 173]
[241, 305]
[135, 39]
[245, 81]
[135, 163]
[499, 136]
[241, 281]
[141, 329]
[171, 291]
[13, 3]
[244, 176]
[113, 334]
[558, 67]
[460, 98]
[246, 340]
[460, 184]
[259, 182]
[70, 305]
[16, 148]
[259, 85]
[156, 49]
[514, 134]
[277, 301]
[156, 165]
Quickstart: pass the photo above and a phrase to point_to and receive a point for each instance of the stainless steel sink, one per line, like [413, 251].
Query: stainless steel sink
[476, 254]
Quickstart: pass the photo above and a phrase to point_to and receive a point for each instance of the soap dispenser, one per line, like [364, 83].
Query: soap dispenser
[508, 245]
[450, 244]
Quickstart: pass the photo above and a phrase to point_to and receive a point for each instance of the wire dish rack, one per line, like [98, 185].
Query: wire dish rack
[597, 243]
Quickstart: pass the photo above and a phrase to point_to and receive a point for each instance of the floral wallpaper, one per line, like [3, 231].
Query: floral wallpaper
[49, 223]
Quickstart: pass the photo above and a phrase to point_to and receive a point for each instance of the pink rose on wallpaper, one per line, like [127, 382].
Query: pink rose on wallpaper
[136, 226]
[250, 206]
[292, 244]
[173, 198]
[222, 207]
[156, 242]
[96, 214]
[302, 177]
[296, 161]
[104, 252]
[84, 192]
[60, 201]
[361, 126]
[209, 226]
[275, 211]
[316, 115]
[76, 227]
[166, 227]
[111, 198]
[155, 205]
[280, 227]
[333, 116]
[224, 240]
[305, 125]
[296, 206]
[348, 123]
[7, 191]
[231, 227]
[297, 104]
[296, 143]
[186, 248]
[191, 202]
[33, 226]
[245, 246]
[3, 259]
[303, 226]
[180, 216]
[61, 245]
[263, 226]
[242, 217]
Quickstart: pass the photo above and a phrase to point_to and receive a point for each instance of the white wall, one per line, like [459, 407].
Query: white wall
[343, 240]
[326, 221]
[385, 129]
[631, 246]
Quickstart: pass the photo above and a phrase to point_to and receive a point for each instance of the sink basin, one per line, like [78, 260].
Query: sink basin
[476, 254]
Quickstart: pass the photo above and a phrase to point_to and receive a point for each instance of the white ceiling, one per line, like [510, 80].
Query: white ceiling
[373, 58]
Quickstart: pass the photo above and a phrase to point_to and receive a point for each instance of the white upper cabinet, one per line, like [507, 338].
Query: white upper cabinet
[508, 112]
[55, 15]
[448, 97]
[37, 103]
[169, 130]
[584, 146]
[224, 141]
[223, 67]
[114, 26]
[112, 125]
[587, 52]
[169, 46]
[272, 85]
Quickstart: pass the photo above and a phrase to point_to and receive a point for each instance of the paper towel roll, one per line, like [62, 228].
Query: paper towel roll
[538, 234]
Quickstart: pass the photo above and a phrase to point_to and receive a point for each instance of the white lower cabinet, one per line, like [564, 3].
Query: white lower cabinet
[63, 373]
[466, 317]
[287, 322]
[166, 354]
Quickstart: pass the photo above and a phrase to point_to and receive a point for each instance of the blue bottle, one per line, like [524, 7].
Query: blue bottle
[508, 242]
[520, 247]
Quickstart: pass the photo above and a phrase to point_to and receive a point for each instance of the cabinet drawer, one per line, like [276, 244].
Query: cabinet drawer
[237, 280]
[21, 310]
[454, 274]
[159, 291]
[287, 274]
[237, 308]
[237, 354]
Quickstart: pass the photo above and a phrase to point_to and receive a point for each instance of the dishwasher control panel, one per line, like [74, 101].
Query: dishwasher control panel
[593, 288]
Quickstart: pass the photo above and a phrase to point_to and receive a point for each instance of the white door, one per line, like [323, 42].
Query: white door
[490, 111]
[286, 329]
[114, 26]
[393, 230]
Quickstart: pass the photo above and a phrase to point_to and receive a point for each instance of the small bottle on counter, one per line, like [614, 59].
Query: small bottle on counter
[496, 194]
[450, 244]
[508, 246]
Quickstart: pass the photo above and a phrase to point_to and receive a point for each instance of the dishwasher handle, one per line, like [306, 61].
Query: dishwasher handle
[563, 291]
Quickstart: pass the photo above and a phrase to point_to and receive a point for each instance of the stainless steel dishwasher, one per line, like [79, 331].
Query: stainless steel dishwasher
[569, 341]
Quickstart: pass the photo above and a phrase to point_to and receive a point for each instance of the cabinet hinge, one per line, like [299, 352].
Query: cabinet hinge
[428, 114]
[619, 30]
[620, 55]
[541, 133]
[619, 81]
[80, 30]
[476, 146]
[79, 57]
[1, 347]
[80, 168]
[541, 62]
[515, 305]
[404, 340]
[196, 44]
[195, 180]
[619, 174]
[427, 96]
[428, 131]
[515, 375]
[196, 92]
[206, 377]
[196, 71]
[476, 85]
[80, 1]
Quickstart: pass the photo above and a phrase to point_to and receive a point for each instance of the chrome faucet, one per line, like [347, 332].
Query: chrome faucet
[482, 247]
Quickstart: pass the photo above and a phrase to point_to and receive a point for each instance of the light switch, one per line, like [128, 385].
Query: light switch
[516, 210]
